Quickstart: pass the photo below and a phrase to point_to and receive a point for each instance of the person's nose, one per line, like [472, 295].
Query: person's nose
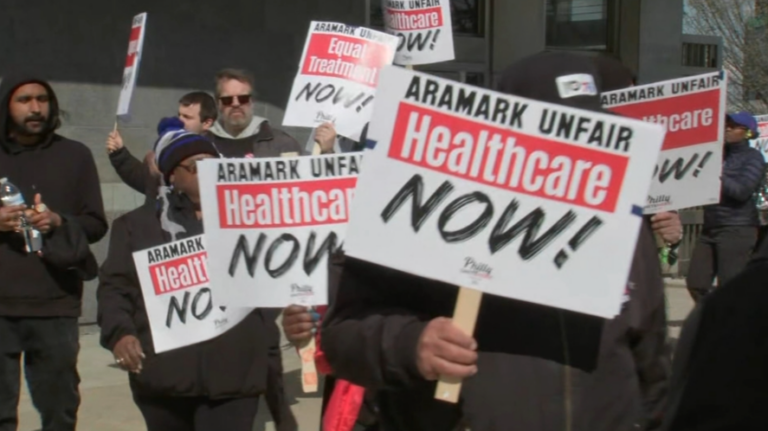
[34, 106]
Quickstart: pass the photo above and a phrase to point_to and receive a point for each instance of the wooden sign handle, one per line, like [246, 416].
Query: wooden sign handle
[464, 318]
[316, 149]
[409, 66]
[308, 369]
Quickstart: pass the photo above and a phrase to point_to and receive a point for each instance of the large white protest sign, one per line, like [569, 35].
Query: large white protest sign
[182, 305]
[272, 223]
[501, 194]
[338, 76]
[693, 112]
[761, 143]
[424, 30]
[132, 60]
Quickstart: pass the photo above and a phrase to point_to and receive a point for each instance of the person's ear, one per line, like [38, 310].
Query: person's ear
[749, 134]
[207, 124]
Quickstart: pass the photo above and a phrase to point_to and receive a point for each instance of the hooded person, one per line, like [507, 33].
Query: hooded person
[41, 292]
[532, 367]
[212, 385]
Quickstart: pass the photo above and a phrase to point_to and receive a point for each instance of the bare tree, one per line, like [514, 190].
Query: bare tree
[743, 25]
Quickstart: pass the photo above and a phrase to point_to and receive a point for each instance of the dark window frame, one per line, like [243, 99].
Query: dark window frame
[612, 17]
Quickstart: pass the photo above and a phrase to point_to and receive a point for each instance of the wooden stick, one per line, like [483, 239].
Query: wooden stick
[464, 318]
[115, 128]
[409, 66]
[308, 369]
[317, 149]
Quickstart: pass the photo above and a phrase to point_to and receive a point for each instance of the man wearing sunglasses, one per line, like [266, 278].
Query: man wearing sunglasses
[730, 227]
[240, 133]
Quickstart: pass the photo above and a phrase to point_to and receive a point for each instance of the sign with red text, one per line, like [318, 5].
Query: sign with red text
[692, 110]
[273, 223]
[424, 30]
[509, 196]
[761, 143]
[132, 60]
[182, 305]
[338, 76]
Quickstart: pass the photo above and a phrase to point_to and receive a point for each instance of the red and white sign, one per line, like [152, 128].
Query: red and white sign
[338, 76]
[273, 223]
[505, 195]
[761, 143]
[183, 307]
[693, 112]
[132, 61]
[423, 28]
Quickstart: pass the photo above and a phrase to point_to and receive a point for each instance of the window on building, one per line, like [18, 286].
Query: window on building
[700, 55]
[466, 15]
[579, 24]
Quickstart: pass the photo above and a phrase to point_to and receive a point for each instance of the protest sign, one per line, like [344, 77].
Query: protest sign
[761, 143]
[273, 222]
[693, 112]
[338, 76]
[132, 60]
[182, 305]
[424, 30]
[504, 195]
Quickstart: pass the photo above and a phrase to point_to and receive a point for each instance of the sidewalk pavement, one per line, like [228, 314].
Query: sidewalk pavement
[107, 404]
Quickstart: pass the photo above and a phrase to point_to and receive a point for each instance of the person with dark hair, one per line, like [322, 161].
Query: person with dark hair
[730, 227]
[197, 111]
[213, 385]
[528, 367]
[41, 293]
[239, 132]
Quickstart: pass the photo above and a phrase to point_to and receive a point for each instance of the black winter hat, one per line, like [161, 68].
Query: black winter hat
[176, 145]
[563, 78]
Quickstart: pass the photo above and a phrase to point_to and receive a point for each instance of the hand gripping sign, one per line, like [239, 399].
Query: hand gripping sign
[338, 76]
[272, 223]
[424, 30]
[132, 60]
[182, 305]
[761, 143]
[502, 195]
[693, 112]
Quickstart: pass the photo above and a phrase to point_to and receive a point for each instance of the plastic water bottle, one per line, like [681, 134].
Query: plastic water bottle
[10, 195]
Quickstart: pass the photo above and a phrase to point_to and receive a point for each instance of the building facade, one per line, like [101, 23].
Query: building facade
[80, 45]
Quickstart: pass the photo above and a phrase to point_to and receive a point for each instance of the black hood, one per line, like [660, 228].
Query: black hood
[8, 85]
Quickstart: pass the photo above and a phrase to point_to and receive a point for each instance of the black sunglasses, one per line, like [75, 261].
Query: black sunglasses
[241, 99]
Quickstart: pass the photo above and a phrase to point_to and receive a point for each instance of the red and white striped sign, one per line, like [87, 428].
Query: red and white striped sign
[132, 60]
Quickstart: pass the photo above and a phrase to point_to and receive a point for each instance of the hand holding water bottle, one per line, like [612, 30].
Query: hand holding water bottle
[41, 218]
[10, 217]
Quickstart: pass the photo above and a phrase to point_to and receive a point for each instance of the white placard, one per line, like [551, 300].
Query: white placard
[337, 77]
[693, 112]
[182, 305]
[761, 143]
[424, 30]
[505, 195]
[132, 61]
[272, 223]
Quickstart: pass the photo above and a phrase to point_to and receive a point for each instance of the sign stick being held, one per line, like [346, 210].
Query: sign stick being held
[132, 60]
[464, 318]
[308, 368]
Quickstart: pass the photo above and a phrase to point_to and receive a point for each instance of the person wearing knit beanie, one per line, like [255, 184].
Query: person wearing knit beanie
[176, 145]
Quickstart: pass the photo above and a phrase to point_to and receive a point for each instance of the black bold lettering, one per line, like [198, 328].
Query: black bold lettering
[471, 229]
[288, 263]
[414, 189]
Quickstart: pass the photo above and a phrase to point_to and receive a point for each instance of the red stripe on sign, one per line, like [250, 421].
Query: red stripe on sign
[179, 274]
[135, 33]
[350, 58]
[285, 204]
[691, 119]
[492, 156]
[410, 20]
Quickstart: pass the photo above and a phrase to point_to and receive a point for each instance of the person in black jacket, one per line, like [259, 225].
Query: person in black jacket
[388, 331]
[212, 385]
[41, 293]
[730, 227]
[197, 113]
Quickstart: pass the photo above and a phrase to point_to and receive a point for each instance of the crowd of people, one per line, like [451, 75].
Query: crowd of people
[385, 338]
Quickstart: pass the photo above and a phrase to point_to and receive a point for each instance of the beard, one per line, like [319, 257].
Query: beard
[32, 125]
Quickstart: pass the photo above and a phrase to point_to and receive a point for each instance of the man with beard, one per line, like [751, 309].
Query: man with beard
[240, 133]
[40, 293]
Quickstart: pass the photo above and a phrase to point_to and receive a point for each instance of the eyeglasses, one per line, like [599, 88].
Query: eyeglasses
[191, 168]
[241, 99]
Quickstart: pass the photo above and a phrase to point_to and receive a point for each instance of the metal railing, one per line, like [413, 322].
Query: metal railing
[693, 222]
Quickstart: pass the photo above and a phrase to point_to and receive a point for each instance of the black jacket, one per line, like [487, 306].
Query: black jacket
[720, 375]
[743, 171]
[267, 142]
[372, 330]
[134, 173]
[64, 173]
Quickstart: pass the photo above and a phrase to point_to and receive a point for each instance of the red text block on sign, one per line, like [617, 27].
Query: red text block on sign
[512, 161]
[410, 20]
[351, 58]
[179, 274]
[285, 204]
[133, 46]
[691, 119]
